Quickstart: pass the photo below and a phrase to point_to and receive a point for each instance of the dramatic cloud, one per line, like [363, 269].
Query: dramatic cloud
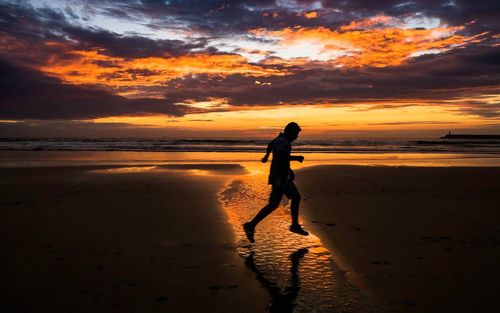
[434, 79]
[387, 45]
[27, 94]
[92, 59]
[232, 16]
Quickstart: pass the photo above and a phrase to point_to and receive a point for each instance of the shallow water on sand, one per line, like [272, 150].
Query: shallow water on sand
[298, 272]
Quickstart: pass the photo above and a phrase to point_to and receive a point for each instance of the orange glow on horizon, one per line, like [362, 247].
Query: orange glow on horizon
[316, 121]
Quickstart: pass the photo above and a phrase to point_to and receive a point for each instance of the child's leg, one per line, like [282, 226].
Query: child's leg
[274, 202]
[293, 194]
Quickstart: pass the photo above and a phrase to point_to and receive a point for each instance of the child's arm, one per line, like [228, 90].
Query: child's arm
[265, 158]
[269, 149]
[297, 158]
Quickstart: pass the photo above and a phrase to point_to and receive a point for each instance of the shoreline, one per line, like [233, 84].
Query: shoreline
[69, 158]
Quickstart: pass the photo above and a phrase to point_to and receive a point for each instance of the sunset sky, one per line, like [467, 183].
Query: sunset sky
[341, 69]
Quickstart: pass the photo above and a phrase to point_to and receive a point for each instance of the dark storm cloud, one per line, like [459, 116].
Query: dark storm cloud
[30, 24]
[36, 26]
[28, 94]
[463, 73]
[217, 17]
[468, 72]
[73, 129]
[452, 11]
[131, 46]
[477, 108]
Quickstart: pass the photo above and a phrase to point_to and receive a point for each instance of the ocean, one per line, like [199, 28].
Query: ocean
[255, 145]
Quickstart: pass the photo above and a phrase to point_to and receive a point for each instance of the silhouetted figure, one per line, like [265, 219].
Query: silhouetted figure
[282, 301]
[269, 149]
[281, 178]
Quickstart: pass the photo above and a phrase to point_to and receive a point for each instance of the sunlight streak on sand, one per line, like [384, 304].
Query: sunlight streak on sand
[322, 284]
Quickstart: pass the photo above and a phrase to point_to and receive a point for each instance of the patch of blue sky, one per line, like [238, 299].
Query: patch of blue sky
[420, 21]
[96, 18]
[300, 5]
[245, 46]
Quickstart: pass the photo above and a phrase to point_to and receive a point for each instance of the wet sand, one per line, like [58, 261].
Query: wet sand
[297, 272]
[421, 239]
[111, 239]
[168, 238]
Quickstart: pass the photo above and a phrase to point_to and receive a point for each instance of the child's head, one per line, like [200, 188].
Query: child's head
[292, 130]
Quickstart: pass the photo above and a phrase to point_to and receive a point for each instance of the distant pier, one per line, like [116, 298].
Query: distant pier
[469, 136]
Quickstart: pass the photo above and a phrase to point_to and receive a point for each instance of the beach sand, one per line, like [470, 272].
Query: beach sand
[111, 239]
[416, 239]
[168, 238]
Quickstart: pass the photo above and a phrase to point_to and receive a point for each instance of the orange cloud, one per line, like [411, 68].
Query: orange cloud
[370, 22]
[350, 47]
[94, 67]
[312, 14]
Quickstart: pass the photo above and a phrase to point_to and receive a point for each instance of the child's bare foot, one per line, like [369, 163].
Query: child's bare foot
[249, 230]
[296, 228]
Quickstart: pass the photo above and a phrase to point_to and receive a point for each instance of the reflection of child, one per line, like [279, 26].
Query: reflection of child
[269, 149]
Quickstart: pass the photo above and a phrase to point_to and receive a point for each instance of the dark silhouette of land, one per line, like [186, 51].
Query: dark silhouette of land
[469, 136]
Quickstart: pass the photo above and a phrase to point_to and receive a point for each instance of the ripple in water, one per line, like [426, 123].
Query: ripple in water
[298, 272]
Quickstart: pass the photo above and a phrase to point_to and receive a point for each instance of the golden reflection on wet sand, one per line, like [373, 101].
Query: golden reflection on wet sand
[197, 169]
[298, 272]
[127, 169]
[64, 158]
